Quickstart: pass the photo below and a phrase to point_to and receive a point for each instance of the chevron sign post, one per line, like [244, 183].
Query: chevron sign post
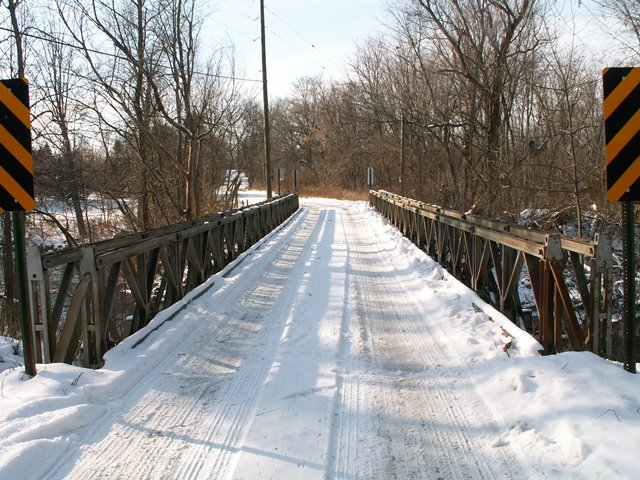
[16, 192]
[621, 92]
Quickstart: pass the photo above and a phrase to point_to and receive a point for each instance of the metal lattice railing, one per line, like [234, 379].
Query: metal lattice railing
[85, 300]
[570, 279]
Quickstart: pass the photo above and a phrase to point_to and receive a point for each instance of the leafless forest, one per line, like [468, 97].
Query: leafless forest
[471, 104]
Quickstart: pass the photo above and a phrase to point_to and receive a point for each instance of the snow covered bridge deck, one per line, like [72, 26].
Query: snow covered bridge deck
[332, 349]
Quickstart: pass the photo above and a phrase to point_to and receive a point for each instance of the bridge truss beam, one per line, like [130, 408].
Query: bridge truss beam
[570, 279]
[86, 300]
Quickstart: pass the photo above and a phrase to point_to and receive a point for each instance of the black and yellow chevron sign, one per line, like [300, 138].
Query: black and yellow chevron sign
[16, 161]
[621, 88]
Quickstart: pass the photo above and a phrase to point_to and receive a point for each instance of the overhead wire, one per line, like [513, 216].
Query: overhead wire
[274, 32]
[287, 40]
[242, 14]
[49, 38]
[305, 39]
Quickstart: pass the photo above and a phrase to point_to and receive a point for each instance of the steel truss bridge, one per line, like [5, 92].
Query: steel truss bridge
[85, 300]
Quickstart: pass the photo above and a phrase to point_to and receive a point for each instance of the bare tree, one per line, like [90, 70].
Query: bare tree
[203, 101]
[568, 99]
[627, 13]
[481, 45]
[60, 112]
[155, 94]
[122, 57]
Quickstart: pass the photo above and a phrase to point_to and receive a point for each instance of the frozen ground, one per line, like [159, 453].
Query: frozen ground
[333, 349]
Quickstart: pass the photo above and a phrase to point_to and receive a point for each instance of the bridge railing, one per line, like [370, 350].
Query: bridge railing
[569, 279]
[85, 300]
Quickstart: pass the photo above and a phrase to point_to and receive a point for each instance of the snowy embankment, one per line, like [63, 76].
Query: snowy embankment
[333, 349]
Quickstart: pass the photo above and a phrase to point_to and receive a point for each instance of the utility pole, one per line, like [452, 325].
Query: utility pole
[265, 100]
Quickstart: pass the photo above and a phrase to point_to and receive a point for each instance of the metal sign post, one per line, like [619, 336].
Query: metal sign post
[26, 327]
[629, 277]
[621, 88]
[280, 178]
[16, 191]
[370, 177]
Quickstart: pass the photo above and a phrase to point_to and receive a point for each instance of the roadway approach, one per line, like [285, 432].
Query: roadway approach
[333, 349]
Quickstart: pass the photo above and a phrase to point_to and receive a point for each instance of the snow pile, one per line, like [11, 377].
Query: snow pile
[10, 353]
[574, 410]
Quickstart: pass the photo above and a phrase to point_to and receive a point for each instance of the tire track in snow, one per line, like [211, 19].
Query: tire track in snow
[290, 428]
[345, 388]
[193, 434]
[264, 352]
[398, 395]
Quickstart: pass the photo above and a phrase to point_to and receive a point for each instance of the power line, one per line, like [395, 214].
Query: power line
[235, 30]
[244, 14]
[51, 39]
[306, 40]
[252, 19]
[294, 47]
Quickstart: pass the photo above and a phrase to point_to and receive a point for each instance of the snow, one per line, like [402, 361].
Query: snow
[332, 349]
[249, 197]
[102, 214]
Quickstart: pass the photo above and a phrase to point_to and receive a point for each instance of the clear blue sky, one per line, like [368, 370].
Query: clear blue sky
[304, 37]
